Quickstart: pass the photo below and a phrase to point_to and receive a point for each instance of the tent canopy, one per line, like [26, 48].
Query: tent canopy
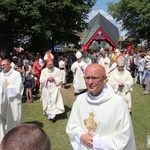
[100, 29]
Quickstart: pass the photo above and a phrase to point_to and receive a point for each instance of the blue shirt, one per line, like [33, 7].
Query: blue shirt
[0, 69]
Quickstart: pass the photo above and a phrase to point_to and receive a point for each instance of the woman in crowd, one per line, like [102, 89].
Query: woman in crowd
[37, 72]
[147, 78]
[29, 81]
[141, 64]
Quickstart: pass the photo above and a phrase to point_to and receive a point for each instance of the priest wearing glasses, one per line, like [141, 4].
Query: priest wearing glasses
[100, 119]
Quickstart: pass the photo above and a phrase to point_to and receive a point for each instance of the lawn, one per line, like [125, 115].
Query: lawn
[32, 113]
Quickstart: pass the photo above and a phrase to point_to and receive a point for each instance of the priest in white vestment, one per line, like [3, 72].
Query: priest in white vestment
[3, 108]
[11, 96]
[62, 67]
[86, 59]
[78, 69]
[51, 97]
[114, 57]
[121, 81]
[99, 119]
[104, 61]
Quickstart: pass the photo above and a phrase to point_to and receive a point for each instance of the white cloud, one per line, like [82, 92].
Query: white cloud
[104, 13]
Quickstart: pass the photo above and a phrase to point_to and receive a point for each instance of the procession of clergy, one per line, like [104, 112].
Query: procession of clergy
[53, 79]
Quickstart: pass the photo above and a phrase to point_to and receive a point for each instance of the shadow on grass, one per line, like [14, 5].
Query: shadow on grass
[67, 109]
[40, 124]
[69, 78]
[67, 86]
[37, 97]
[64, 115]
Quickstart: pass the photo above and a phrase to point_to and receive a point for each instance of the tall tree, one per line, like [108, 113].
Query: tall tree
[41, 20]
[134, 16]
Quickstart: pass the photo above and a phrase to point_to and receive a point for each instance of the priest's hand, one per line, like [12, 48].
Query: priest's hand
[87, 139]
[50, 79]
[121, 84]
[76, 68]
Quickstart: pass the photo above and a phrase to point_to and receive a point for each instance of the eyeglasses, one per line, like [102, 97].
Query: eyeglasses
[93, 78]
[4, 64]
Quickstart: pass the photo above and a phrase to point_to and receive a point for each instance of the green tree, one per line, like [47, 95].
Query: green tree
[134, 16]
[44, 21]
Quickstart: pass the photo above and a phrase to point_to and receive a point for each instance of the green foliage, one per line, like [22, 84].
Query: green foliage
[47, 19]
[133, 15]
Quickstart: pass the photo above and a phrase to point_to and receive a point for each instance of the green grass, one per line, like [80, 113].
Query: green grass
[141, 116]
[32, 113]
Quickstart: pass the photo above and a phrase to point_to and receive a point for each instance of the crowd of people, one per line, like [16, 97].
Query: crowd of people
[101, 79]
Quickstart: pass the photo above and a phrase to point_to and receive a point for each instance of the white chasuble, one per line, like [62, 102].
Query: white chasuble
[51, 96]
[78, 70]
[122, 77]
[12, 81]
[3, 108]
[106, 116]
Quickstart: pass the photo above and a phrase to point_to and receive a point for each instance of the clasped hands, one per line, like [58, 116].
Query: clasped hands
[50, 79]
[88, 139]
[121, 84]
[76, 68]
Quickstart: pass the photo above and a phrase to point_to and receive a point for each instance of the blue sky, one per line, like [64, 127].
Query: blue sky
[101, 6]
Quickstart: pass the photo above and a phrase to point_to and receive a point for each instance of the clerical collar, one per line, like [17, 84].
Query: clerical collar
[50, 70]
[8, 72]
[121, 73]
[100, 95]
